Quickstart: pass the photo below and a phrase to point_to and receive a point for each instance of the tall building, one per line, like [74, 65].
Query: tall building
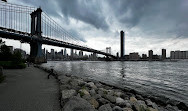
[186, 54]
[150, 53]
[65, 52]
[80, 53]
[52, 54]
[122, 43]
[62, 52]
[117, 54]
[163, 54]
[144, 56]
[134, 56]
[72, 52]
[172, 55]
[183, 54]
[179, 54]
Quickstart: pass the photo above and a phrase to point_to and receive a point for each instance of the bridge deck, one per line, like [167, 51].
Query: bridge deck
[27, 37]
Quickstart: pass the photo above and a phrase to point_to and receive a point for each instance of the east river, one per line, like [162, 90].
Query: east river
[169, 79]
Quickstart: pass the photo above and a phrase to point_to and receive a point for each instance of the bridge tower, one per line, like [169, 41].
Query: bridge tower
[36, 55]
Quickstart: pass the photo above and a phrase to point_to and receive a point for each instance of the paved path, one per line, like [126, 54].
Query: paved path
[28, 90]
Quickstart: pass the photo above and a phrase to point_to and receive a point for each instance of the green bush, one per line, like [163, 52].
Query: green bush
[9, 60]
[12, 65]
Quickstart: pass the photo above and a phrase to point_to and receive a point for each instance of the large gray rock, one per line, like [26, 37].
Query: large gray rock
[94, 103]
[105, 107]
[110, 98]
[65, 86]
[151, 104]
[127, 109]
[103, 101]
[120, 101]
[66, 94]
[77, 104]
[172, 108]
[117, 108]
[118, 94]
[128, 105]
[99, 85]
[139, 105]
[97, 96]
[65, 80]
[92, 92]
[92, 85]
[83, 92]
[110, 92]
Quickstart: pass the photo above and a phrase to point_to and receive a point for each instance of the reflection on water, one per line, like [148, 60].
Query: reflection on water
[168, 79]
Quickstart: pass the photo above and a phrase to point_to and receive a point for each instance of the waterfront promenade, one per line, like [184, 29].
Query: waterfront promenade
[28, 90]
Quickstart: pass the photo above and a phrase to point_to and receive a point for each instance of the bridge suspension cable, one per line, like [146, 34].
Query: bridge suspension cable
[17, 19]
[52, 29]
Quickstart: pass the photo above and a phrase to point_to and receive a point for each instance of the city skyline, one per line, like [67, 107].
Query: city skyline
[164, 30]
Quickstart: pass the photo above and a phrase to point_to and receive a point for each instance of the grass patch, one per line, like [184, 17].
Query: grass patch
[12, 65]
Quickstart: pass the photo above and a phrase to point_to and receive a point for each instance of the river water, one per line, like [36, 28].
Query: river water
[169, 79]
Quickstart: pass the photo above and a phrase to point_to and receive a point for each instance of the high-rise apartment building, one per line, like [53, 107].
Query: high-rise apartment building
[122, 43]
[163, 54]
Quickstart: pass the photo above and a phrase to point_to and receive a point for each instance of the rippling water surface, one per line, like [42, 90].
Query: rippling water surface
[169, 79]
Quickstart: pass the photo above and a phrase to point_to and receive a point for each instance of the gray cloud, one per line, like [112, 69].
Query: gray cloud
[88, 11]
[164, 20]
[158, 17]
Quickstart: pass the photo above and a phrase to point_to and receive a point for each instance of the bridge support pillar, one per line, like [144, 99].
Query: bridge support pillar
[36, 55]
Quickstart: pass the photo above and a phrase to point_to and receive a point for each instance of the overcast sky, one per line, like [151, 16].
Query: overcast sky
[148, 24]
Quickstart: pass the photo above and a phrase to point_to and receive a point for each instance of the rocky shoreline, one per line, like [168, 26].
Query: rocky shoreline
[89, 95]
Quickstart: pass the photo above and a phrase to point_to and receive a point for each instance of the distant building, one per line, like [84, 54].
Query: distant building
[163, 54]
[126, 57]
[144, 56]
[179, 54]
[72, 53]
[117, 54]
[48, 55]
[156, 57]
[11, 49]
[65, 52]
[52, 54]
[62, 52]
[183, 54]
[108, 50]
[43, 51]
[150, 53]
[172, 55]
[81, 53]
[122, 43]
[186, 54]
[134, 56]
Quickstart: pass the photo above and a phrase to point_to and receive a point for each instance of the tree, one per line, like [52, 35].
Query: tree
[5, 54]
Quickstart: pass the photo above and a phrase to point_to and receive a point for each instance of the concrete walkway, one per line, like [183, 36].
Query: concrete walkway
[28, 90]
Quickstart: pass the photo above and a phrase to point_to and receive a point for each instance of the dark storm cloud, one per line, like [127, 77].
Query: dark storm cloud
[153, 16]
[129, 11]
[49, 6]
[88, 11]
[76, 34]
